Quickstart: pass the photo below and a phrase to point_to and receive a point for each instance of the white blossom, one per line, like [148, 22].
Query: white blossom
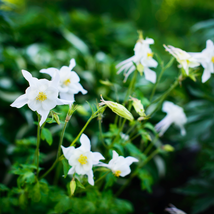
[69, 81]
[119, 165]
[82, 159]
[40, 96]
[175, 114]
[206, 59]
[184, 59]
[142, 58]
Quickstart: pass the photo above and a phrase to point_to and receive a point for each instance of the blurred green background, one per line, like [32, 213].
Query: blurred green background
[99, 34]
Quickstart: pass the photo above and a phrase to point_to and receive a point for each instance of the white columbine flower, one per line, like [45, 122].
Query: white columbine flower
[82, 159]
[175, 114]
[142, 58]
[184, 59]
[206, 59]
[69, 81]
[40, 96]
[119, 165]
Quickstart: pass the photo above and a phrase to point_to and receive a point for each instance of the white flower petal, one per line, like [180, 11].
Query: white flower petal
[44, 115]
[20, 101]
[206, 75]
[150, 75]
[96, 157]
[80, 88]
[67, 96]
[34, 104]
[125, 171]
[72, 64]
[130, 160]
[71, 171]
[85, 143]
[68, 152]
[167, 106]
[74, 77]
[63, 102]
[32, 80]
[50, 71]
[90, 177]
[115, 155]
[48, 104]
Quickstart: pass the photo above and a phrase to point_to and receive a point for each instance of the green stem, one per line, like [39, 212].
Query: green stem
[131, 86]
[89, 120]
[160, 75]
[51, 168]
[61, 139]
[99, 179]
[136, 171]
[37, 146]
[162, 98]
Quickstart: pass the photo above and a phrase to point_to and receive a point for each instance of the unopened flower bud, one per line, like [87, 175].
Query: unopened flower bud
[140, 68]
[72, 186]
[168, 148]
[117, 109]
[138, 107]
[56, 118]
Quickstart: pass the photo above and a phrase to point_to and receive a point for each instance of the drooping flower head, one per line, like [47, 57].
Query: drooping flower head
[143, 58]
[82, 159]
[175, 114]
[184, 59]
[68, 81]
[174, 210]
[40, 96]
[119, 165]
[206, 59]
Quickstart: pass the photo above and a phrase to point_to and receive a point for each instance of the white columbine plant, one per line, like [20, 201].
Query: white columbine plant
[119, 165]
[82, 159]
[143, 58]
[40, 96]
[184, 59]
[206, 59]
[69, 81]
[175, 114]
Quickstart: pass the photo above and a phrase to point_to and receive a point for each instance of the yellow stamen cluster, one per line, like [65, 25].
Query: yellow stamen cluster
[67, 82]
[117, 173]
[150, 54]
[41, 96]
[83, 159]
[212, 59]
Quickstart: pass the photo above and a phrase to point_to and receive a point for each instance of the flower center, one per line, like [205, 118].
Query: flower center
[41, 96]
[83, 159]
[150, 54]
[212, 59]
[117, 173]
[67, 82]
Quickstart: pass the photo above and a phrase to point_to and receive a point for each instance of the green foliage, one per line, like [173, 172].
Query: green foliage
[47, 136]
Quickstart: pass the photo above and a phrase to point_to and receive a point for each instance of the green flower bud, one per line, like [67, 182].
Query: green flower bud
[140, 68]
[72, 186]
[138, 107]
[168, 148]
[117, 109]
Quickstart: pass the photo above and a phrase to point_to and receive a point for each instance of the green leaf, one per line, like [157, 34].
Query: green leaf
[3, 188]
[79, 184]
[66, 167]
[63, 205]
[35, 193]
[110, 179]
[146, 180]
[47, 136]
